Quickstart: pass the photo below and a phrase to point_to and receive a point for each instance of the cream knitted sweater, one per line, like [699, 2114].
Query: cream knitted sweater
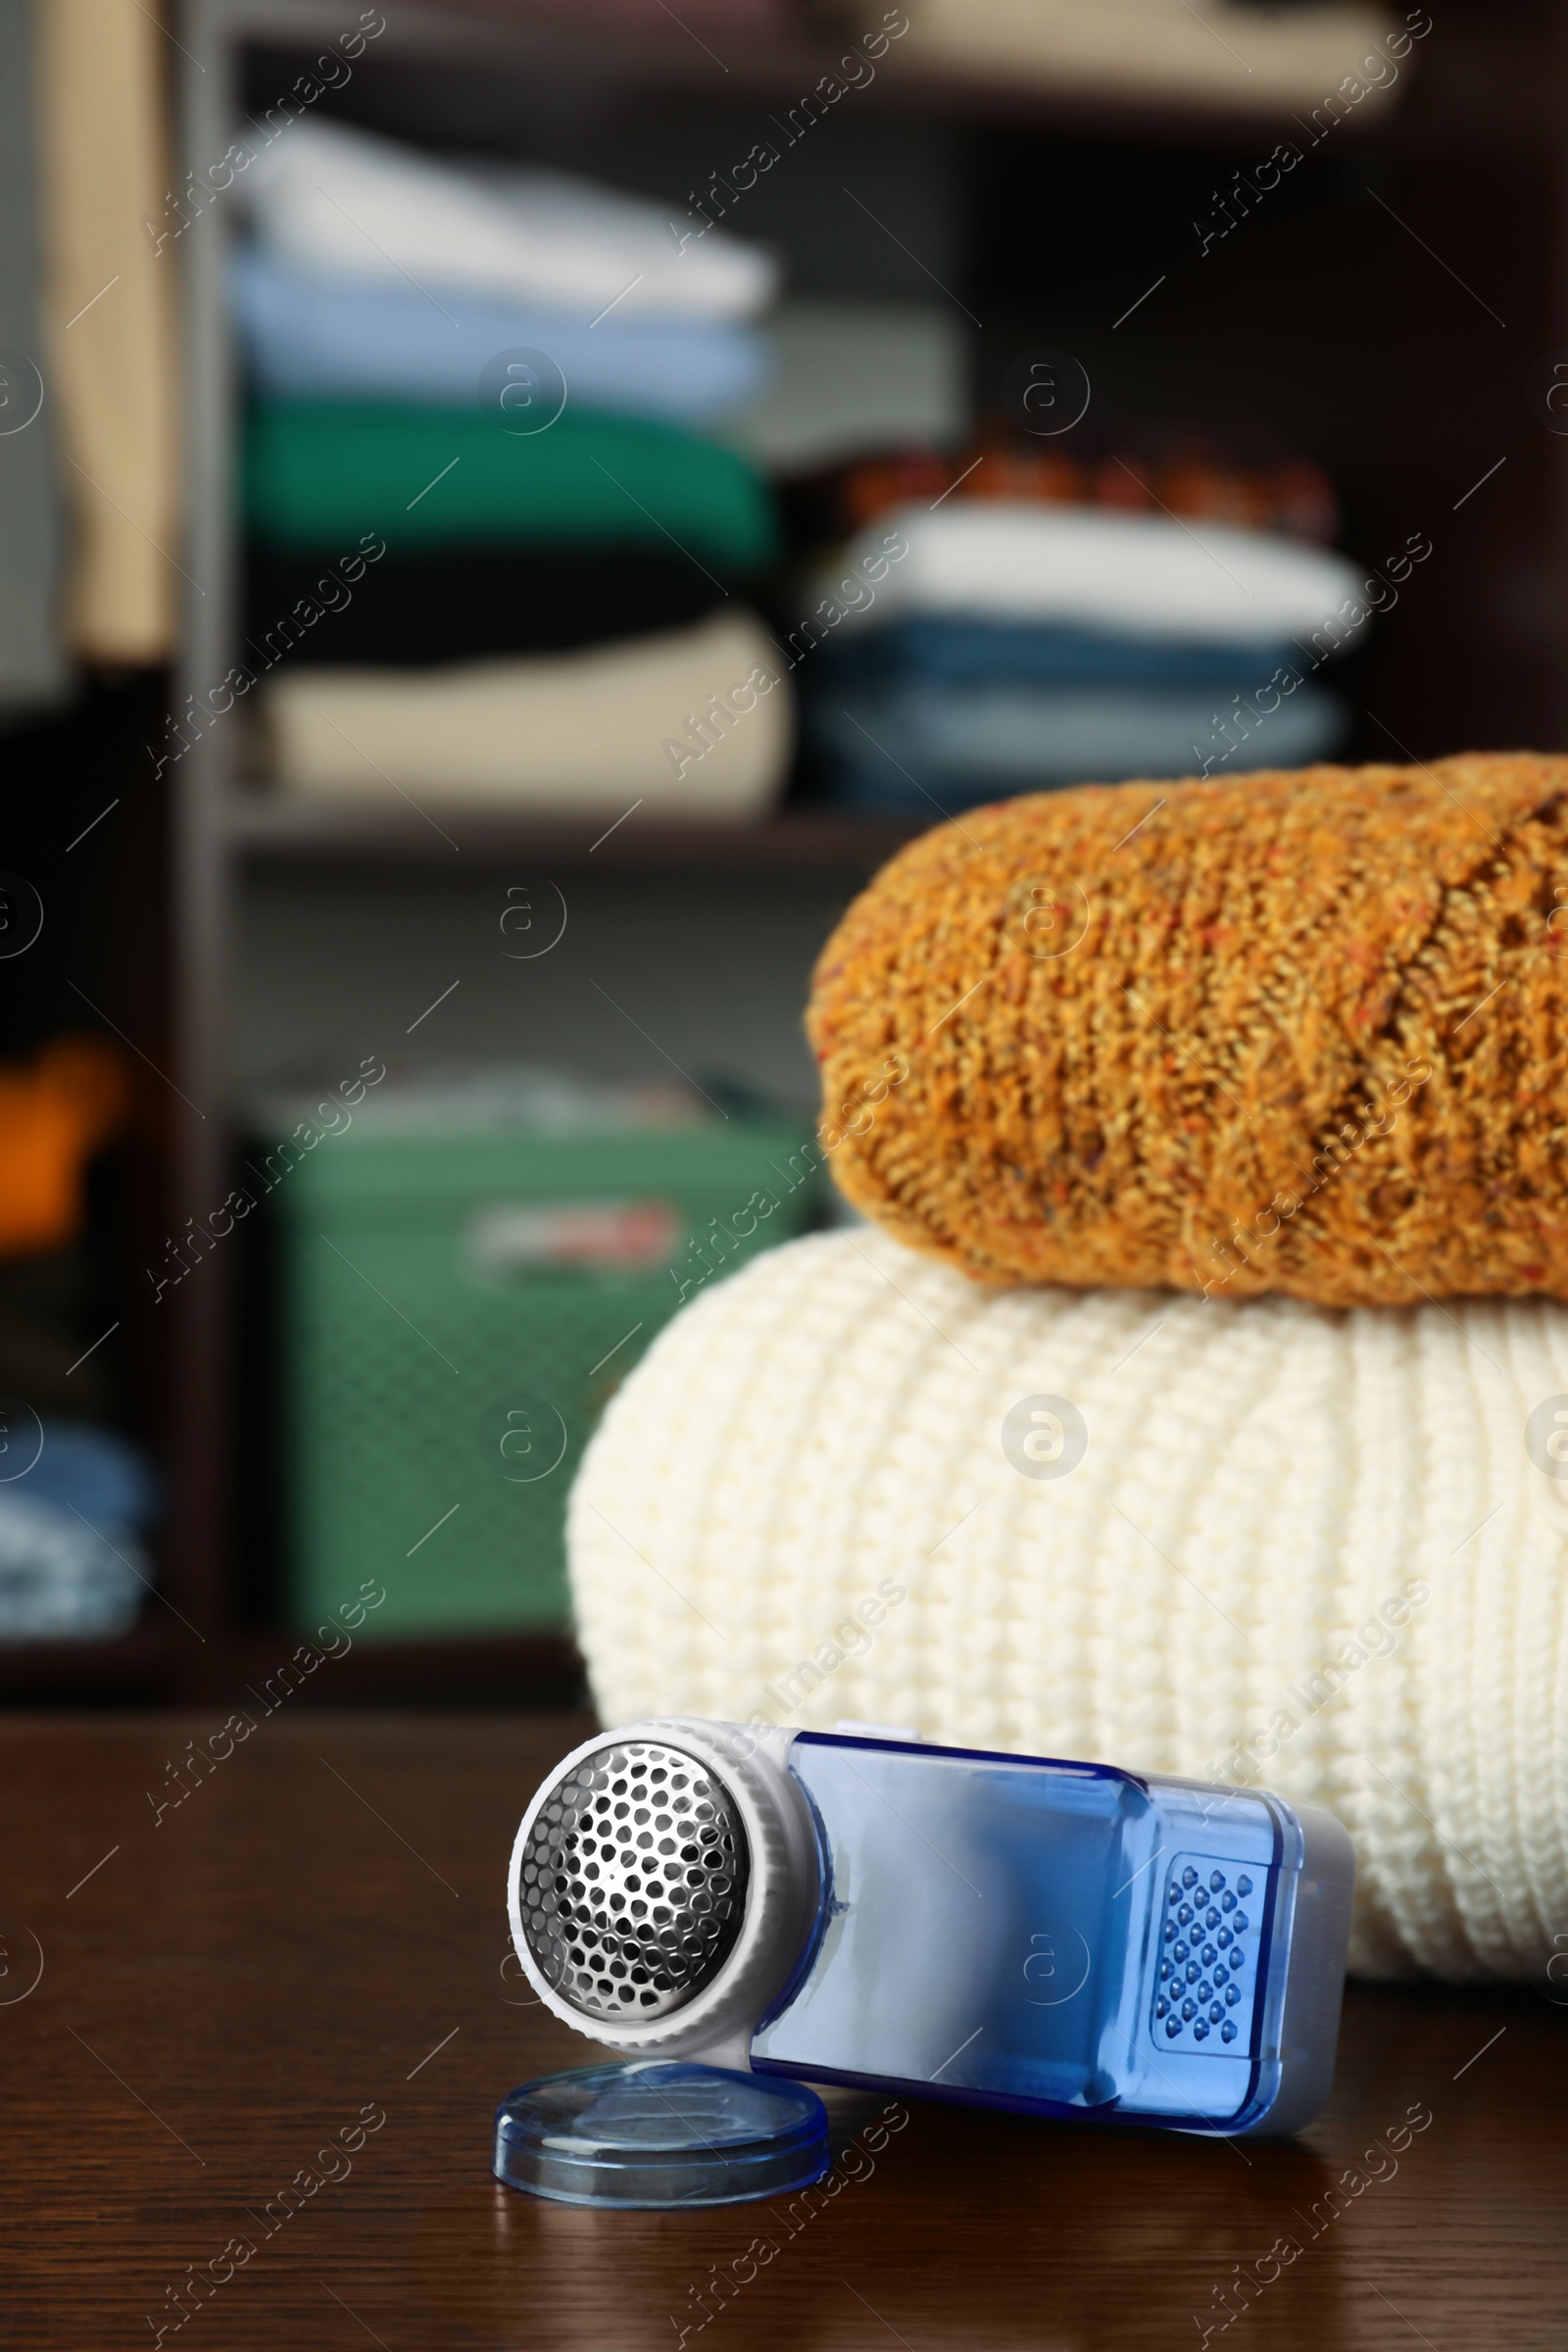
[1303, 1548]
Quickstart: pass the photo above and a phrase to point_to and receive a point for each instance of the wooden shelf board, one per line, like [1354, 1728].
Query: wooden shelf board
[149, 1660]
[504, 1669]
[163, 1663]
[271, 828]
[783, 71]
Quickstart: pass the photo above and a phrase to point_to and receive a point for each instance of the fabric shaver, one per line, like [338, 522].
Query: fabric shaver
[860, 1907]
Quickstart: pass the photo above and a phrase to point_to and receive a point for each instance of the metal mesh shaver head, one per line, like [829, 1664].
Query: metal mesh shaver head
[632, 1888]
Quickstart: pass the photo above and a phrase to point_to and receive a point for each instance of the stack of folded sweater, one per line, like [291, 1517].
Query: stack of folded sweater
[1199, 1405]
[1014, 645]
[487, 531]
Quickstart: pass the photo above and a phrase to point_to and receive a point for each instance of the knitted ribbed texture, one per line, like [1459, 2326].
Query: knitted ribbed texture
[823, 1430]
[1299, 1032]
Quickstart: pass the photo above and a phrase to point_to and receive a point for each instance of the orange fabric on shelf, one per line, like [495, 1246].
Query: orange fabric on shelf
[1181, 474]
[54, 1113]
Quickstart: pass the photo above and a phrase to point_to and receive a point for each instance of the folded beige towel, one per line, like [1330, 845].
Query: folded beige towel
[1316, 1550]
[695, 723]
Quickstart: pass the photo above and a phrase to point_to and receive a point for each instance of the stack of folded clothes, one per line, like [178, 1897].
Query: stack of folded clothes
[1218, 1138]
[475, 456]
[1013, 644]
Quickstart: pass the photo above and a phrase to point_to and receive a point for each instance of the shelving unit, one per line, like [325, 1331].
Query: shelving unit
[1360, 314]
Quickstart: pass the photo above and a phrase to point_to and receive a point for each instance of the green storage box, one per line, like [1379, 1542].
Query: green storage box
[458, 1311]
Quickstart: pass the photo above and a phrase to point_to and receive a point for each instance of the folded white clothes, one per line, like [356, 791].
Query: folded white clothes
[1099, 568]
[696, 722]
[344, 202]
[60, 1578]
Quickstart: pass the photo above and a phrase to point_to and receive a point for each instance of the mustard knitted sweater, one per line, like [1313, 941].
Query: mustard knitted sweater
[1280, 1544]
[1295, 1032]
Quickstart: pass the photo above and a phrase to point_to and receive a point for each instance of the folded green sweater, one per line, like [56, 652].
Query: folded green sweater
[320, 473]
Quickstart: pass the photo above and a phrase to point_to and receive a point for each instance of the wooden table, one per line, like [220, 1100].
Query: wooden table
[299, 1974]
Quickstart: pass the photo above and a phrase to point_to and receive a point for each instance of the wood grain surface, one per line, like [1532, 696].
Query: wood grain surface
[314, 1939]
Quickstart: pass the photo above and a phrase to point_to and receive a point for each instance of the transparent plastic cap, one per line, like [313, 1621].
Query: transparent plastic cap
[660, 2132]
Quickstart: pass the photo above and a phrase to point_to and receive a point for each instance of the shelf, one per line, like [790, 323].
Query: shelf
[1467, 149]
[271, 829]
[1081, 90]
[161, 1663]
[150, 1663]
[491, 1670]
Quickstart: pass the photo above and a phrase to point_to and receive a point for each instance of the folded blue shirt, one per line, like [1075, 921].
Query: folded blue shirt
[916, 747]
[956, 650]
[339, 338]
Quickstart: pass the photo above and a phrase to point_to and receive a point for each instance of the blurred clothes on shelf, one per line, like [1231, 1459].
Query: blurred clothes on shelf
[921, 745]
[331, 338]
[955, 649]
[345, 203]
[55, 1113]
[467, 603]
[33, 672]
[1246, 478]
[1017, 646]
[110, 305]
[96, 1473]
[1221, 53]
[857, 374]
[1091, 568]
[62, 1581]
[320, 475]
[530, 609]
[698, 725]
[74, 1503]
